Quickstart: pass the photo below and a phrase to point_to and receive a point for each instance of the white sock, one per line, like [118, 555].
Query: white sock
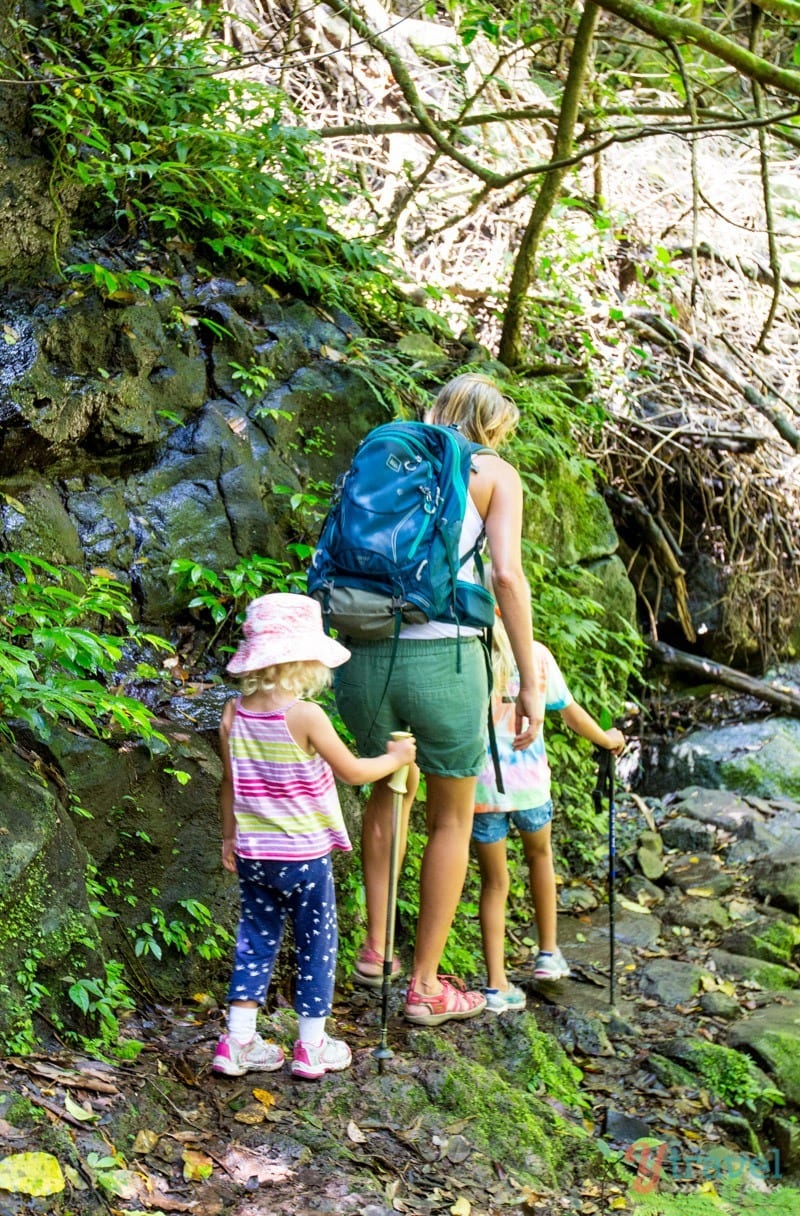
[311, 1030]
[242, 1022]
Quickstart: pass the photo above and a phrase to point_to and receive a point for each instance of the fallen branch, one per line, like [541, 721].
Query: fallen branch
[718, 673]
[662, 550]
[692, 350]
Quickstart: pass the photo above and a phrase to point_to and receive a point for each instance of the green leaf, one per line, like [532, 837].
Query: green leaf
[31, 1174]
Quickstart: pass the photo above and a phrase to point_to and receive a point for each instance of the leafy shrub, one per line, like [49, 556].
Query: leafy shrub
[225, 595]
[144, 108]
[54, 663]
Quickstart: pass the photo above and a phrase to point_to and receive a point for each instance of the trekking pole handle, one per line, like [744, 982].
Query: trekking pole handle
[398, 782]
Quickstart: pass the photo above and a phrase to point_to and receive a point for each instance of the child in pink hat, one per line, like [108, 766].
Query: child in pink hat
[281, 820]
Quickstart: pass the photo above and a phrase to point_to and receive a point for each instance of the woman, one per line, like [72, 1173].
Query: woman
[445, 709]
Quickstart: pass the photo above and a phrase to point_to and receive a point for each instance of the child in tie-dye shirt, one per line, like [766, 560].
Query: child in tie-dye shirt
[527, 804]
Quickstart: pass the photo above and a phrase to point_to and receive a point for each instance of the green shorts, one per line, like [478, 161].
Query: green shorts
[445, 709]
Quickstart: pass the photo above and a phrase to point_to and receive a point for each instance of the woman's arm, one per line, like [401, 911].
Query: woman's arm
[311, 730]
[503, 523]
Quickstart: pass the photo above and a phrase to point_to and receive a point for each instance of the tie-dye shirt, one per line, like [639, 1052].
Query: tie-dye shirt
[526, 774]
[285, 801]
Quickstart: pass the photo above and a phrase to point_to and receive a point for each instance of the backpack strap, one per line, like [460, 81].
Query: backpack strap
[486, 642]
[398, 622]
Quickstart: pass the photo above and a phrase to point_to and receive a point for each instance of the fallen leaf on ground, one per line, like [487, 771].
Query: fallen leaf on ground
[31, 1174]
[145, 1141]
[254, 1112]
[84, 1113]
[243, 1164]
[355, 1133]
[264, 1097]
[196, 1165]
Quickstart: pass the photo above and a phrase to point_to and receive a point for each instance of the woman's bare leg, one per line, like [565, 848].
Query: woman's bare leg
[444, 868]
[493, 865]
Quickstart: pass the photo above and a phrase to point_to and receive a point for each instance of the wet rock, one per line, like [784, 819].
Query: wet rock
[720, 1005]
[637, 885]
[779, 835]
[51, 918]
[578, 898]
[649, 855]
[586, 1033]
[769, 937]
[671, 982]
[779, 881]
[687, 835]
[732, 1076]
[786, 1138]
[721, 808]
[697, 913]
[625, 1129]
[699, 874]
[758, 758]
[767, 975]
[772, 1035]
[671, 1074]
[637, 929]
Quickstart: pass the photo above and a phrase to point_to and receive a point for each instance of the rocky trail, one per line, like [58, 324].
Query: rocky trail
[689, 1084]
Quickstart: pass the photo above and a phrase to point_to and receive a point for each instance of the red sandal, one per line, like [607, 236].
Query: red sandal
[368, 971]
[453, 1003]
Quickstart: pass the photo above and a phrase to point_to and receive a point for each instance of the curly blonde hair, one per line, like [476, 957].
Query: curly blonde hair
[304, 678]
[475, 404]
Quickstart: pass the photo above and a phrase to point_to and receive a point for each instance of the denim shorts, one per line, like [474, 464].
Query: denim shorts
[445, 709]
[490, 826]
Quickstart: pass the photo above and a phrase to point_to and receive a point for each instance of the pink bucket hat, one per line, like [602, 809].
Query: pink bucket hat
[285, 628]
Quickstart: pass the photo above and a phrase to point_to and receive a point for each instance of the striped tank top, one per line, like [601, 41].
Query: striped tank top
[285, 801]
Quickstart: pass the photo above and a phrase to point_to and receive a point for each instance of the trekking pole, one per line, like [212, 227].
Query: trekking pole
[398, 785]
[605, 788]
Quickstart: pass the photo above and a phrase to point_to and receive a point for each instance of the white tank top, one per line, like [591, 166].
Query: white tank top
[471, 529]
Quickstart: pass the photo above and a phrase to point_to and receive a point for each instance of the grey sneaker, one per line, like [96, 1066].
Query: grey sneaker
[311, 1060]
[498, 1001]
[551, 966]
[233, 1058]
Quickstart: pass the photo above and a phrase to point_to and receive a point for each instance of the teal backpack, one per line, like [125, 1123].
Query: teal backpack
[388, 551]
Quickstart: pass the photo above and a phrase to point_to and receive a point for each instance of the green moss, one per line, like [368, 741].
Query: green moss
[669, 1073]
[510, 1067]
[527, 1058]
[730, 1075]
[22, 909]
[780, 1049]
[780, 939]
[21, 1112]
[511, 1126]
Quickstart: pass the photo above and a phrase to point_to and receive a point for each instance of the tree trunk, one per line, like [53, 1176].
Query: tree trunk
[511, 343]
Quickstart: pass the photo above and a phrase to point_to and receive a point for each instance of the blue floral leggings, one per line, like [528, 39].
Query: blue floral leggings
[272, 892]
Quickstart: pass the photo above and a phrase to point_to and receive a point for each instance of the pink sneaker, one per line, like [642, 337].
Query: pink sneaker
[453, 1003]
[368, 971]
[233, 1058]
[311, 1060]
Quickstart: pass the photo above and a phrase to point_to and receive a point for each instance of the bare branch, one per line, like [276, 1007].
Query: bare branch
[694, 350]
[681, 29]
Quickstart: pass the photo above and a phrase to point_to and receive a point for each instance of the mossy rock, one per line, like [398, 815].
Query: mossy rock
[730, 1075]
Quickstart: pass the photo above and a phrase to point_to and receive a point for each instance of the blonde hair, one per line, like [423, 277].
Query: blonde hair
[503, 664]
[301, 678]
[475, 404]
